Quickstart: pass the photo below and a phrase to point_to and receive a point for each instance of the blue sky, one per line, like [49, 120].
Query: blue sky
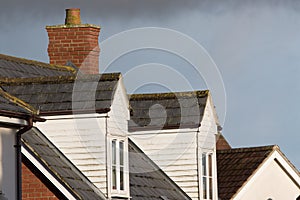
[255, 45]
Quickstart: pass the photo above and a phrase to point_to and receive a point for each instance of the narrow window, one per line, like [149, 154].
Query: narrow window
[114, 164]
[118, 165]
[207, 176]
[210, 186]
[121, 165]
[204, 175]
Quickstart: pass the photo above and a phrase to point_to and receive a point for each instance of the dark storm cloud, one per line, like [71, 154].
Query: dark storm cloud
[17, 11]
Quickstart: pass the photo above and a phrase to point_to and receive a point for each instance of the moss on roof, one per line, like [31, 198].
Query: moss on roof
[60, 79]
[18, 102]
[37, 63]
[170, 95]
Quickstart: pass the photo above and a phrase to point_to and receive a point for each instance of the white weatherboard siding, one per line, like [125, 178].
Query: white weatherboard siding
[271, 181]
[175, 154]
[208, 128]
[8, 163]
[119, 114]
[82, 140]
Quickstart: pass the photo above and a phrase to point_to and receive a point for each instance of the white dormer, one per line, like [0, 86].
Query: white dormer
[96, 143]
[185, 151]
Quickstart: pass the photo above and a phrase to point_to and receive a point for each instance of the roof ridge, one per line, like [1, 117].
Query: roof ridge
[60, 79]
[18, 101]
[37, 63]
[169, 95]
[250, 149]
[21, 81]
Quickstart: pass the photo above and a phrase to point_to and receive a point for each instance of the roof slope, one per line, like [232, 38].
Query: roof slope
[235, 166]
[13, 67]
[147, 180]
[85, 93]
[11, 106]
[59, 166]
[167, 110]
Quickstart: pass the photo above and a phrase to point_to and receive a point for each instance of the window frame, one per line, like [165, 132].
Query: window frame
[207, 175]
[118, 188]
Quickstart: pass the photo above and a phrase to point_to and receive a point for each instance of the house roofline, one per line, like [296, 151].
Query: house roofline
[37, 63]
[275, 150]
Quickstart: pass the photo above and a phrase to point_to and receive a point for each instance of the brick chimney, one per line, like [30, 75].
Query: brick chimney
[74, 42]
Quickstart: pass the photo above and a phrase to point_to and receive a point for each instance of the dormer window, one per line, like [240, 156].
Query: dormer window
[118, 167]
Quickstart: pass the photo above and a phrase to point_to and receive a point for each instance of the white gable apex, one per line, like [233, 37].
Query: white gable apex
[275, 178]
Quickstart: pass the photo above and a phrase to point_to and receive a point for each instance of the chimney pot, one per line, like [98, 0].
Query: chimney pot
[72, 16]
[74, 42]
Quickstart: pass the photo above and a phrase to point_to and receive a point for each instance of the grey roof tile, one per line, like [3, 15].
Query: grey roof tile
[167, 110]
[93, 92]
[13, 67]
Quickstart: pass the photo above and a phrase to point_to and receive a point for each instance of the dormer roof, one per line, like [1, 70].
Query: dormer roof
[167, 110]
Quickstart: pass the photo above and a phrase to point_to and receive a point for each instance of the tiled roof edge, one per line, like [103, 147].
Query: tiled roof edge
[60, 79]
[18, 101]
[269, 148]
[37, 63]
[289, 162]
[250, 149]
[169, 95]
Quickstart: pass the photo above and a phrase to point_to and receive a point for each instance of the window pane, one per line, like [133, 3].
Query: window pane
[210, 188]
[210, 165]
[121, 153]
[204, 188]
[121, 178]
[204, 164]
[114, 178]
[114, 152]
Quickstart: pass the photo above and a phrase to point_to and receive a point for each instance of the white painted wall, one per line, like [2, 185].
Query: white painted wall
[208, 128]
[8, 162]
[271, 182]
[175, 153]
[119, 114]
[82, 139]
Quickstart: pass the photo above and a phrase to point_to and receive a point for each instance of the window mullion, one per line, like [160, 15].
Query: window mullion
[118, 165]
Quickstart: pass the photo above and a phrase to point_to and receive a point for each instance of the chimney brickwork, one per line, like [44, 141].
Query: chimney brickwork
[74, 42]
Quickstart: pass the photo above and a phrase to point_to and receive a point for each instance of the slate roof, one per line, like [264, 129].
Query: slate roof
[235, 167]
[59, 166]
[58, 95]
[147, 180]
[13, 67]
[11, 106]
[7, 104]
[167, 110]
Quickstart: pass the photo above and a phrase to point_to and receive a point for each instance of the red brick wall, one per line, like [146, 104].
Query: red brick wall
[78, 44]
[33, 188]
